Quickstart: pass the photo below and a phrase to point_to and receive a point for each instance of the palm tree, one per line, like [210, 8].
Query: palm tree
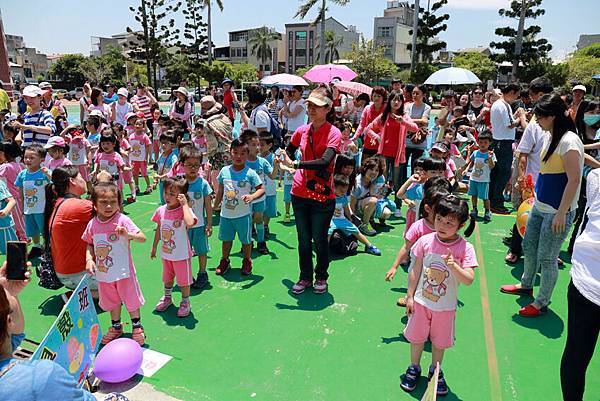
[332, 43]
[208, 5]
[260, 44]
[307, 6]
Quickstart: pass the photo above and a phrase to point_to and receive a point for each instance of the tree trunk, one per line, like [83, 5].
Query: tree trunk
[146, 40]
[519, 41]
[209, 36]
[413, 53]
[322, 59]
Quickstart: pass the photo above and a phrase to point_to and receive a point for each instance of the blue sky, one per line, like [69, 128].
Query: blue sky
[65, 26]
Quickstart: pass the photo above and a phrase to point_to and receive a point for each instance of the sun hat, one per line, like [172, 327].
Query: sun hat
[130, 115]
[579, 88]
[441, 146]
[32, 91]
[140, 114]
[96, 113]
[182, 90]
[123, 92]
[55, 141]
[318, 98]
[45, 85]
[227, 81]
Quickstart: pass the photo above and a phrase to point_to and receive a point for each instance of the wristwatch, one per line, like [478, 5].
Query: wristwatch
[296, 164]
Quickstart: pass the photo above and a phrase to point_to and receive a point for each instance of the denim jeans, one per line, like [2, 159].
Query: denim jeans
[541, 247]
[393, 175]
[312, 223]
[500, 174]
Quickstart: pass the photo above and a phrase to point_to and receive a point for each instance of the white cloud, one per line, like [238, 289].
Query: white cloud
[479, 4]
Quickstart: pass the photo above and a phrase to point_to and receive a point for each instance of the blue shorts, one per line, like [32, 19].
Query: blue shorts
[7, 234]
[34, 224]
[479, 189]
[271, 206]
[382, 204]
[258, 207]
[198, 240]
[241, 225]
[161, 195]
[343, 225]
[287, 193]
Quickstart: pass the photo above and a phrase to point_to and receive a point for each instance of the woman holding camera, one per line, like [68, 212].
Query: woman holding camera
[313, 198]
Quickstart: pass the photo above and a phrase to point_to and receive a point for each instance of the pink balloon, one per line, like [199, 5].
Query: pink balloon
[118, 361]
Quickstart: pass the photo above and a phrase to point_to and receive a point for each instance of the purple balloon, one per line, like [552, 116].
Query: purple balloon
[118, 361]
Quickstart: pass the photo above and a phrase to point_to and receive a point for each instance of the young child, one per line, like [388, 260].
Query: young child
[7, 225]
[57, 148]
[346, 165]
[288, 180]
[264, 169]
[156, 132]
[340, 220]
[462, 125]
[80, 151]
[411, 192]
[167, 159]
[348, 145]
[108, 157]
[32, 182]
[266, 145]
[140, 154]
[108, 257]
[124, 149]
[173, 220]
[443, 260]
[10, 132]
[9, 170]
[439, 150]
[199, 138]
[483, 161]
[239, 186]
[200, 200]
[93, 127]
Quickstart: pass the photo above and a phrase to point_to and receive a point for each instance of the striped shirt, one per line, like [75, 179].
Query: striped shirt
[143, 104]
[40, 118]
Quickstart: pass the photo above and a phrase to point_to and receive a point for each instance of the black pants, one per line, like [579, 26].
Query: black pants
[366, 153]
[413, 154]
[516, 242]
[582, 334]
[581, 204]
[501, 172]
[312, 224]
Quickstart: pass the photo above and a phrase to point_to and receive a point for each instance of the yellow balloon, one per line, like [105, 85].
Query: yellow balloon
[523, 215]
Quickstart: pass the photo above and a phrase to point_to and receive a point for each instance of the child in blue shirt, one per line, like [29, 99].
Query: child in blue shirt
[32, 182]
[239, 186]
[167, 159]
[7, 225]
[266, 146]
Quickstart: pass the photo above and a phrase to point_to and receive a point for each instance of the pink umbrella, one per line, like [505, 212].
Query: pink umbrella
[353, 88]
[326, 72]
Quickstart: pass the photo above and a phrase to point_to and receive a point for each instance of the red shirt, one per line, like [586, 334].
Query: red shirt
[228, 102]
[68, 249]
[327, 136]
[368, 115]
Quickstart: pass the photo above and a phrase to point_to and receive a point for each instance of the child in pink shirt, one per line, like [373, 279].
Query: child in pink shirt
[140, 154]
[443, 261]
[124, 149]
[80, 152]
[9, 169]
[57, 148]
[108, 157]
[172, 223]
[108, 257]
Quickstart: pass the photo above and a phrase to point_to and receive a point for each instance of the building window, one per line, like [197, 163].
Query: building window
[384, 32]
[300, 52]
[244, 52]
[311, 41]
[301, 35]
[237, 36]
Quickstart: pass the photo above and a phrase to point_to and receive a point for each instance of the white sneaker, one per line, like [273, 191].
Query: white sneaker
[398, 213]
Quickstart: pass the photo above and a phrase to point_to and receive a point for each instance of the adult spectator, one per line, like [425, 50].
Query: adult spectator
[529, 155]
[313, 197]
[370, 113]
[446, 114]
[181, 108]
[66, 217]
[583, 298]
[551, 217]
[121, 107]
[577, 110]
[38, 124]
[476, 106]
[52, 105]
[142, 102]
[218, 131]
[274, 102]
[354, 109]
[84, 102]
[98, 104]
[191, 98]
[260, 119]
[339, 99]
[294, 110]
[111, 95]
[418, 111]
[503, 131]
[5, 103]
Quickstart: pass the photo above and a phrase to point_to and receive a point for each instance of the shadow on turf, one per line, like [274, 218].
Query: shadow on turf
[170, 317]
[549, 325]
[307, 301]
[234, 275]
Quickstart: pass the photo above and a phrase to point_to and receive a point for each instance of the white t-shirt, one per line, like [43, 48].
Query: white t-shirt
[259, 118]
[292, 123]
[501, 118]
[417, 112]
[82, 102]
[532, 144]
[584, 270]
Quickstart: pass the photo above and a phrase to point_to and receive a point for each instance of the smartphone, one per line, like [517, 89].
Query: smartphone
[16, 260]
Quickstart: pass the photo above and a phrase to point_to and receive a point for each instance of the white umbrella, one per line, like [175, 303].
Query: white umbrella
[283, 80]
[452, 76]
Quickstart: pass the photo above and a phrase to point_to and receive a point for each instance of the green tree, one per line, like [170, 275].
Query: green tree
[480, 64]
[208, 5]
[67, 68]
[178, 69]
[304, 9]
[260, 44]
[430, 25]
[370, 65]
[242, 73]
[582, 68]
[531, 48]
[423, 71]
[591, 50]
[332, 43]
[214, 72]
[195, 47]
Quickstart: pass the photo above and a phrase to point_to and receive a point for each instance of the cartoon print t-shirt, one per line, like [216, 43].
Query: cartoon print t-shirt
[112, 251]
[438, 287]
[138, 145]
[173, 233]
[262, 168]
[78, 148]
[34, 195]
[481, 168]
[235, 185]
[375, 189]
[110, 162]
[270, 186]
[340, 203]
[197, 192]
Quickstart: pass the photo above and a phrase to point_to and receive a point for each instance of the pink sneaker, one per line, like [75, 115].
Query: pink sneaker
[111, 334]
[163, 304]
[320, 286]
[301, 286]
[184, 309]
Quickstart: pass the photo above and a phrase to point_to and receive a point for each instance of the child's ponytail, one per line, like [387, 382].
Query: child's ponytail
[470, 228]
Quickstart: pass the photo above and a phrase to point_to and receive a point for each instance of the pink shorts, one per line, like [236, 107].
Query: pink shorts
[84, 171]
[427, 324]
[179, 269]
[411, 217]
[139, 168]
[126, 291]
[127, 177]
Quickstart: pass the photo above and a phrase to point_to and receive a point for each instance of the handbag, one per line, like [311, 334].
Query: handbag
[45, 271]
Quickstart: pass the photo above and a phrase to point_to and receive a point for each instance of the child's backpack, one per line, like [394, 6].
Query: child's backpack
[342, 244]
[275, 129]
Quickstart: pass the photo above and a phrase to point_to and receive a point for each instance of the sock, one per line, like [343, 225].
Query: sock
[168, 291]
[135, 322]
[260, 233]
[116, 324]
[185, 300]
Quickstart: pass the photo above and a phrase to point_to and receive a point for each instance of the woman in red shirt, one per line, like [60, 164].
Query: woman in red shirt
[372, 111]
[313, 197]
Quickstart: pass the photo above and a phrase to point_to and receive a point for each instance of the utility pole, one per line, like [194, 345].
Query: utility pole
[209, 36]
[519, 40]
[413, 53]
[322, 59]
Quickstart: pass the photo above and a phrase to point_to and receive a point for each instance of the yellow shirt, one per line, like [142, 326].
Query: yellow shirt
[4, 100]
